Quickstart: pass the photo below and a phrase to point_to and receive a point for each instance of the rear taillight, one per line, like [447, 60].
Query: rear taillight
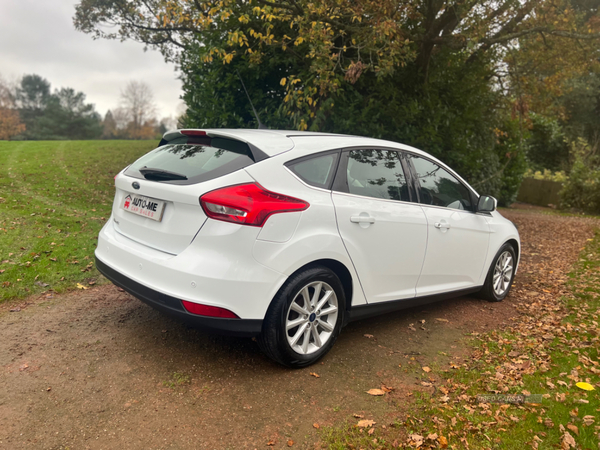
[209, 311]
[193, 132]
[248, 204]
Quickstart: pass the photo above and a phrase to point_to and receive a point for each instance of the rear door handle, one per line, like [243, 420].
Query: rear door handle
[362, 219]
[441, 225]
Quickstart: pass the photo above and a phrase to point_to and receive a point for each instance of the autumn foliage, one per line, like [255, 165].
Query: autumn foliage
[10, 124]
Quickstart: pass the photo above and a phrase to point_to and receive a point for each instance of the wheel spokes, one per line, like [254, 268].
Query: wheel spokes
[332, 309]
[316, 295]
[299, 309]
[295, 323]
[325, 325]
[311, 318]
[503, 272]
[306, 339]
[298, 334]
[324, 300]
[316, 337]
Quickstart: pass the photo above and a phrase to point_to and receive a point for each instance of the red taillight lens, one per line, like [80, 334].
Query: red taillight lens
[209, 311]
[248, 204]
[193, 132]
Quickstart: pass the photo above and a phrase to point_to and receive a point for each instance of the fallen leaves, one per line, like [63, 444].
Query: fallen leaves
[314, 374]
[376, 392]
[81, 286]
[365, 423]
[588, 420]
[568, 441]
[426, 369]
[585, 386]
[415, 440]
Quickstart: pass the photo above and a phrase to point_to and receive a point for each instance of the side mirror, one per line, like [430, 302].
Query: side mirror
[487, 203]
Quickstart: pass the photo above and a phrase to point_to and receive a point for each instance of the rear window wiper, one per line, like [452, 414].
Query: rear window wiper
[150, 173]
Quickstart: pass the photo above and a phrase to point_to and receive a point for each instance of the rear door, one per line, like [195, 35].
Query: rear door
[458, 238]
[384, 233]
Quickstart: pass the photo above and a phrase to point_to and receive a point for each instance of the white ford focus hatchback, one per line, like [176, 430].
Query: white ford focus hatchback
[288, 236]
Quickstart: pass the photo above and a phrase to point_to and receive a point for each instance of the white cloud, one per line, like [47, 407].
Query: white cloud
[38, 36]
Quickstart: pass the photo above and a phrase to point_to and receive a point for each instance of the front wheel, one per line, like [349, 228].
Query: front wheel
[500, 276]
[305, 318]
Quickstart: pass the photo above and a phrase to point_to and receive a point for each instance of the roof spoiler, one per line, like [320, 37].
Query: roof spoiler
[201, 137]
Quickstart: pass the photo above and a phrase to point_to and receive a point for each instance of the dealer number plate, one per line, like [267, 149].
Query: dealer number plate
[144, 206]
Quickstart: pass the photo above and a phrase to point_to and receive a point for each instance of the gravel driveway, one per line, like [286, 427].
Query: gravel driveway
[98, 369]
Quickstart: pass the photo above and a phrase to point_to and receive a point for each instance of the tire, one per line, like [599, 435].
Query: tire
[493, 289]
[312, 333]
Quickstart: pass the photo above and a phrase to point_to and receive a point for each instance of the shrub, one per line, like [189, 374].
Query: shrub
[582, 189]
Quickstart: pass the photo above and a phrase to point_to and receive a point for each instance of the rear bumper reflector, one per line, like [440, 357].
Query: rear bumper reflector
[209, 311]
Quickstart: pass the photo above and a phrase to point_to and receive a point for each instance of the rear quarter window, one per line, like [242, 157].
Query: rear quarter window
[316, 170]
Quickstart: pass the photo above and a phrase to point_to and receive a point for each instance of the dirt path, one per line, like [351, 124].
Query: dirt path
[100, 370]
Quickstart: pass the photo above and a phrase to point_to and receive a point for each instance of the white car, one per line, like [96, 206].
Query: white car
[288, 236]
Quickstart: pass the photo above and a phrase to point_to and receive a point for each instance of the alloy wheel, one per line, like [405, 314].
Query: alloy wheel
[503, 272]
[311, 318]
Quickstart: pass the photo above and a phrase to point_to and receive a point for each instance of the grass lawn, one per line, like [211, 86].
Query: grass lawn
[54, 198]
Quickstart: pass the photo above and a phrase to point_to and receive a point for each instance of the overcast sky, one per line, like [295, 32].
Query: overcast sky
[38, 36]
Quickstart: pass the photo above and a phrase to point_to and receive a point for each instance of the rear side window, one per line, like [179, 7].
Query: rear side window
[317, 171]
[190, 163]
[377, 174]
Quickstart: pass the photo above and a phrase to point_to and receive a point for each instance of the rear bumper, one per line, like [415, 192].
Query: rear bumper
[174, 308]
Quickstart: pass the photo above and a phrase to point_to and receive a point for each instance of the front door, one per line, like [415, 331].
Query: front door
[458, 238]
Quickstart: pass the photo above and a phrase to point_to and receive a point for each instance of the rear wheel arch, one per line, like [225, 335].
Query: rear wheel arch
[336, 267]
[342, 273]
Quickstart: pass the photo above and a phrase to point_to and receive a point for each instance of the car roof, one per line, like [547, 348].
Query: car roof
[300, 143]
[274, 142]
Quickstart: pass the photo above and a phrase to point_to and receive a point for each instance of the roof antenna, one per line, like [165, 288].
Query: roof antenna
[261, 126]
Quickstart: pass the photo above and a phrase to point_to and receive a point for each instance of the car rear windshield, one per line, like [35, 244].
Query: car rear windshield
[191, 163]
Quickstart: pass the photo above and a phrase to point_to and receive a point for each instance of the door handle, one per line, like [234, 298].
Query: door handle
[441, 225]
[362, 219]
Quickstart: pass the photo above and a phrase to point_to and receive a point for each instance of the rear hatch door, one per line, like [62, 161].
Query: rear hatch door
[157, 197]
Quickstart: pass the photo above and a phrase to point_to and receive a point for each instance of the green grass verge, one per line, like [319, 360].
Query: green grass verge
[54, 198]
[553, 346]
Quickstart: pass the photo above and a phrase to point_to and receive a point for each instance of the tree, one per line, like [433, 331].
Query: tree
[10, 122]
[31, 97]
[33, 93]
[340, 40]
[441, 75]
[67, 116]
[137, 102]
[59, 115]
[109, 126]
